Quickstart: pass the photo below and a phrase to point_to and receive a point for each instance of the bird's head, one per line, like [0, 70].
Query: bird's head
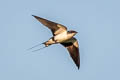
[72, 32]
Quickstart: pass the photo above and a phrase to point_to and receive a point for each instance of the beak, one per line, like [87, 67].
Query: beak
[76, 32]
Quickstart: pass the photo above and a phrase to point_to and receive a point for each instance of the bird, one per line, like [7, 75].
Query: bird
[61, 36]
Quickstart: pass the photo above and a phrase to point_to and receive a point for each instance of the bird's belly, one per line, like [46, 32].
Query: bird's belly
[61, 38]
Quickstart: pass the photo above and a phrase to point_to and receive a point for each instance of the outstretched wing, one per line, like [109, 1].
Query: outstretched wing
[54, 27]
[73, 48]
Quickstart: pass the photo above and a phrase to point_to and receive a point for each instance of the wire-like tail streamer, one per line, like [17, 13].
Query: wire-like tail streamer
[38, 49]
[35, 46]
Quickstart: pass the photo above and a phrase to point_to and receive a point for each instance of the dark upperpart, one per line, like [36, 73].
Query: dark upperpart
[71, 31]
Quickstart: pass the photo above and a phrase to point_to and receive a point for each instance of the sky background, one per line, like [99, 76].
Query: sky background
[96, 21]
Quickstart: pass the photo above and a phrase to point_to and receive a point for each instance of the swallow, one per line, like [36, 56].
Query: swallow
[62, 36]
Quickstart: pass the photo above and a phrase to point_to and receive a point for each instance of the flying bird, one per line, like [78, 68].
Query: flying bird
[63, 37]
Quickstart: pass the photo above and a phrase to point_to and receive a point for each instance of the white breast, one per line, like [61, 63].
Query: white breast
[61, 37]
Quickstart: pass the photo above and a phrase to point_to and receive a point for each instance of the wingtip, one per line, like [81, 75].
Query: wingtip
[33, 15]
[78, 67]
[36, 17]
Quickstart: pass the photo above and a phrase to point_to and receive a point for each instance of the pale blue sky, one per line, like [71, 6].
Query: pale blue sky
[98, 27]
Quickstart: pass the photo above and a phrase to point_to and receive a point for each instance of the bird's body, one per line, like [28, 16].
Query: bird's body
[63, 37]
[60, 38]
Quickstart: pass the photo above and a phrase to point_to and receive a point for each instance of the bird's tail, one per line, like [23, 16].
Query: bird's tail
[44, 43]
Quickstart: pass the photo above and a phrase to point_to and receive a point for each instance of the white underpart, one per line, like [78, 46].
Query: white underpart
[63, 37]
